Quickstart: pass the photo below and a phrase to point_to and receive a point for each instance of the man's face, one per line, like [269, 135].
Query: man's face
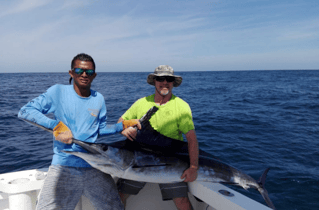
[164, 87]
[82, 80]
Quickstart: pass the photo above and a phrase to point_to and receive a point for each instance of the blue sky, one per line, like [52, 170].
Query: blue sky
[208, 35]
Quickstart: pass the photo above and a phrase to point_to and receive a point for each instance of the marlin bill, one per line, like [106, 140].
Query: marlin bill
[128, 160]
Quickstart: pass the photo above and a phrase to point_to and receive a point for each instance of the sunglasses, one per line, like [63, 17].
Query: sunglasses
[80, 71]
[167, 78]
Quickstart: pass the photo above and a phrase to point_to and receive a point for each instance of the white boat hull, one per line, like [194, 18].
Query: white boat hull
[19, 191]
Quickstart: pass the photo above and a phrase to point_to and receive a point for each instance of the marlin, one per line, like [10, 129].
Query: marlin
[163, 162]
[128, 160]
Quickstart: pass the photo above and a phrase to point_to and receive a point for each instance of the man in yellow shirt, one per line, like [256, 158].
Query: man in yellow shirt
[173, 118]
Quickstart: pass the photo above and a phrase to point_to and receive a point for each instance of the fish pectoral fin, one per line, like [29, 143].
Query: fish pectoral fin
[230, 183]
[145, 166]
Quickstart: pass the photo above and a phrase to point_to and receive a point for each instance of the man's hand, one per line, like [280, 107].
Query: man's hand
[62, 133]
[131, 123]
[189, 174]
[129, 133]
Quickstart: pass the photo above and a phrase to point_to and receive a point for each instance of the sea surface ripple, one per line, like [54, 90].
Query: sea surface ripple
[249, 119]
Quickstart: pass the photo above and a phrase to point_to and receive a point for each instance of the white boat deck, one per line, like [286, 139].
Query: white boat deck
[19, 190]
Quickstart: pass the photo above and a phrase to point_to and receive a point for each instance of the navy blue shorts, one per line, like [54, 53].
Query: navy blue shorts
[169, 191]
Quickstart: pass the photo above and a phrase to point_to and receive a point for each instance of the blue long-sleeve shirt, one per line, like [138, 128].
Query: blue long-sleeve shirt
[85, 117]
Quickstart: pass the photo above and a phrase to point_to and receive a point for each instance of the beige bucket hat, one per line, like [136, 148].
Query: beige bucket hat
[164, 70]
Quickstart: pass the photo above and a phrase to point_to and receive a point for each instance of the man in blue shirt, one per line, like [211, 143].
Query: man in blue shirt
[79, 113]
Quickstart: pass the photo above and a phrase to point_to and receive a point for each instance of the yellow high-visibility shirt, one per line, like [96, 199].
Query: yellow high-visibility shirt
[171, 119]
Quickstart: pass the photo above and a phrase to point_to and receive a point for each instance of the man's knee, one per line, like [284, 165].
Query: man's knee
[183, 203]
[124, 197]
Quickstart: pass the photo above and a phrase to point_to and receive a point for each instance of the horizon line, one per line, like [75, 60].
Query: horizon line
[174, 71]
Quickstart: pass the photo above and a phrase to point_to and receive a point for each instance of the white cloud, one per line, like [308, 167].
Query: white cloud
[130, 40]
[295, 59]
[23, 6]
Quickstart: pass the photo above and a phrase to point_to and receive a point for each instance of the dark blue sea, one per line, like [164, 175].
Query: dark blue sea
[249, 119]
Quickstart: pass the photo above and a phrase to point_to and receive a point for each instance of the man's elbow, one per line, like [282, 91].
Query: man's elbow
[191, 135]
[22, 113]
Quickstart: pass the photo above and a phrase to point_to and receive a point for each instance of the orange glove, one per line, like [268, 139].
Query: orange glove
[131, 123]
[62, 133]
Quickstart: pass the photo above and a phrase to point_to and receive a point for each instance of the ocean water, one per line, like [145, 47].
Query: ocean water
[249, 119]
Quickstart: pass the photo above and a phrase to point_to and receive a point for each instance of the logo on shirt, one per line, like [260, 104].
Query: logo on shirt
[93, 112]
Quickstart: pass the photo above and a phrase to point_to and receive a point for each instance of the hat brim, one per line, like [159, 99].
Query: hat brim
[177, 82]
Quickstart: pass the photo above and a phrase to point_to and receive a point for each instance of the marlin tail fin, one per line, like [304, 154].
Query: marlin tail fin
[263, 190]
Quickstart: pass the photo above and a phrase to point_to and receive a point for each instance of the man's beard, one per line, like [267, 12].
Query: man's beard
[164, 92]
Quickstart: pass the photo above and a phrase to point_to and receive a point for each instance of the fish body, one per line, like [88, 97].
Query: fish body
[129, 160]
